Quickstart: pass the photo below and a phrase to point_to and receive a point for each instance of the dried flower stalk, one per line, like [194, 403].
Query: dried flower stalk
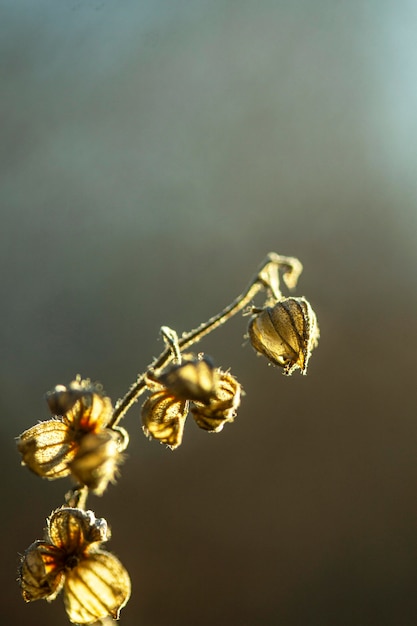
[83, 438]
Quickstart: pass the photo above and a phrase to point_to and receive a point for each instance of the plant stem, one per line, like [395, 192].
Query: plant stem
[267, 277]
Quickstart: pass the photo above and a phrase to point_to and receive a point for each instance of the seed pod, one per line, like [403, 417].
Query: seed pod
[163, 417]
[194, 379]
[47, 448]
[72, 530]
[285, 333]
[97, 588]
[41, 573]
[97, 460]
[222, 407]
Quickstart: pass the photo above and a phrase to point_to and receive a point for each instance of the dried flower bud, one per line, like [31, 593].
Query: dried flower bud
[222, 407]
[94, 582]
[285, 333]
[163, 417]
[97, 459]
[193, 379]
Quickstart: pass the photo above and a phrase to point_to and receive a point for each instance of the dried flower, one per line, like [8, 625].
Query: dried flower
[94, 582]
[285, 333]
[212, 395]
[76, 442]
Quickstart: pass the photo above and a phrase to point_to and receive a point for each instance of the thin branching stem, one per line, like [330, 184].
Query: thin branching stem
[267, 277]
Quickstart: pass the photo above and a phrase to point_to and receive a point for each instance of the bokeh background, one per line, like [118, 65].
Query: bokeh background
[152, 153]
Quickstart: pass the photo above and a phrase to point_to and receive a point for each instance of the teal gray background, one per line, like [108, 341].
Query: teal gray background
[152, 153]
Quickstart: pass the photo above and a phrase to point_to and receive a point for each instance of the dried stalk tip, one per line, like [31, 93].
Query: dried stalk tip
[286, 333]
[94, 582]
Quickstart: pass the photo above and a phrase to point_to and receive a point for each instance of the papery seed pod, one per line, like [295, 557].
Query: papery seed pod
[98, 587]
[163, 417]
[48, 448]
[73, 529]
[193, 379]
[222, 407]
[97, 459]
[285, 333]
[41, 573]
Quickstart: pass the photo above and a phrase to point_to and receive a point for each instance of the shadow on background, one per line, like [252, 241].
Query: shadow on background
[152, 154]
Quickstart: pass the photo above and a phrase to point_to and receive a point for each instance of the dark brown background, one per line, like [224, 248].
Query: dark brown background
[152, 153]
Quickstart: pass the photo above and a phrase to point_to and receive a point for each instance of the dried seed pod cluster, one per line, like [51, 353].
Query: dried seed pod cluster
[211, 395]
[285, 333]
[76, 441]
[94, 582]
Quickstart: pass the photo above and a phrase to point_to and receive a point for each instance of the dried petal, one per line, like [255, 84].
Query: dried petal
[194, 379]
[73, 530]
[98, 587]
[286, 333]
[222, 408]
[47, 448]
[97, 460]
[41, 572]
[163, 417]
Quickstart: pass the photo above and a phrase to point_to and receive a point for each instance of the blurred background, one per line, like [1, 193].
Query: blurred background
[152, 153]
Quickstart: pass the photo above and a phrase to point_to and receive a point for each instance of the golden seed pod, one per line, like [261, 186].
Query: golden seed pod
[194, 379]
[222, 407]
[47, 448]
[163, 417]
[286, 333]
[97, 588]
[98, 457]
[73, 529]
[41, 576]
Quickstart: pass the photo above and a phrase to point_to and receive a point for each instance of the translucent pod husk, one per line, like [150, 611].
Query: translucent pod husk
[163, 417]
[98, 458]
[222, 407]
[285, 333]
[48, 448]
